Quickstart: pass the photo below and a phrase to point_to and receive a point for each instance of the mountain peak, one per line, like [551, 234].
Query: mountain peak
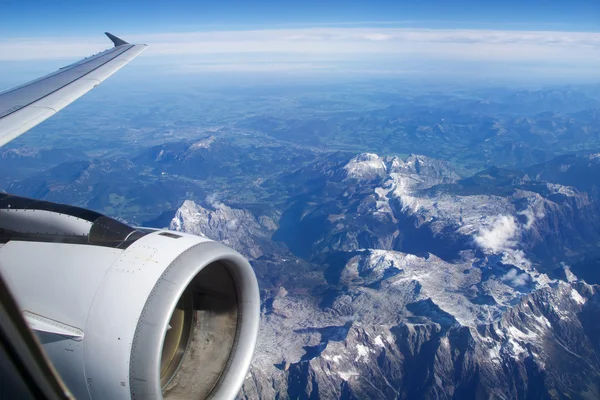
[237, 228]
[365, 166]
[203, 143]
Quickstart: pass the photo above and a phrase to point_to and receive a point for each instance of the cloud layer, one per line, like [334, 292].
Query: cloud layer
[344, 50]
[478, 44]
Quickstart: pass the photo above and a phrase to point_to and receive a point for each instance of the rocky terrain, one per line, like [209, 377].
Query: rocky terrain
[468, 271]
[394, 278]
[236, 228]
[474, 128]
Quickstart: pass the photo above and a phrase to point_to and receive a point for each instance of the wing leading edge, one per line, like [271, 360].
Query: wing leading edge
[27, 105]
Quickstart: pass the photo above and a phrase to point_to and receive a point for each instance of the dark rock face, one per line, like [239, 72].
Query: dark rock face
[389, 278]
[351, 208]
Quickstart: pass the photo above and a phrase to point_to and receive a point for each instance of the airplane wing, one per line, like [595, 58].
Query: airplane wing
[129, 313]
[27, 105]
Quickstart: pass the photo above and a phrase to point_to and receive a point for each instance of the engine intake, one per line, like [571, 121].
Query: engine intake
[203, 343]
[171, 316]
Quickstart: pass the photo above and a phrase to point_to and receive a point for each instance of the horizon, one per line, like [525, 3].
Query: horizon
[501, 42]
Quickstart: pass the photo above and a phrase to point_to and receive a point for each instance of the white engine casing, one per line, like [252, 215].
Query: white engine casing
[102, 313]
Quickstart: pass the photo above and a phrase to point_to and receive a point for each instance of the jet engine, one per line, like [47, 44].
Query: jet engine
[129, 313]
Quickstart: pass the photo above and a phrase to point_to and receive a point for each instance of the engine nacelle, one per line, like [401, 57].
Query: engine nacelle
[171, 315]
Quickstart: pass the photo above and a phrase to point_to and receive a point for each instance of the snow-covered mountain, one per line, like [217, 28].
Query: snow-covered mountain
[394, 278]
[236, 228]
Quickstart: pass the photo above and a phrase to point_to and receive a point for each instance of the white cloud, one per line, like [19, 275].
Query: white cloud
[500, 235]
[253, 67]
[457, 44]
[377, 36]
[213, 201]
[332, 53]
[513, 278]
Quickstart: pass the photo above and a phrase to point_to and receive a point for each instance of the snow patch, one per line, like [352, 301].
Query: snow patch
[515, 348]
[560, 189]
[365, 166]
[203, 143]
[445, 342]
[543, 321]
[363, 353]
[336, 358]
[345, 375]
[517, 258]
[518, 334]
[577, 297]
[571, 277]
[494, 354]
[378, 341]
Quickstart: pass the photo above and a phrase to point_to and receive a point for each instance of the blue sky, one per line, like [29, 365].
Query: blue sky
[42, 17]
[526, 39]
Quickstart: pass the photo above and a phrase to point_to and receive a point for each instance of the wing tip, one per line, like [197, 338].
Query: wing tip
[116, 40]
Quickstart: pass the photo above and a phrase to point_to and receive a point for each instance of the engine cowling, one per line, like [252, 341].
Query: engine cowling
[170, 316]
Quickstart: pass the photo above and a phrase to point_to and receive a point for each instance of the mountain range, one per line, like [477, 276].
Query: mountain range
[399, 279]
[436, 245]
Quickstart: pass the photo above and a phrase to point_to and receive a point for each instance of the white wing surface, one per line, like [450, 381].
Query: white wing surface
[27, 105]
